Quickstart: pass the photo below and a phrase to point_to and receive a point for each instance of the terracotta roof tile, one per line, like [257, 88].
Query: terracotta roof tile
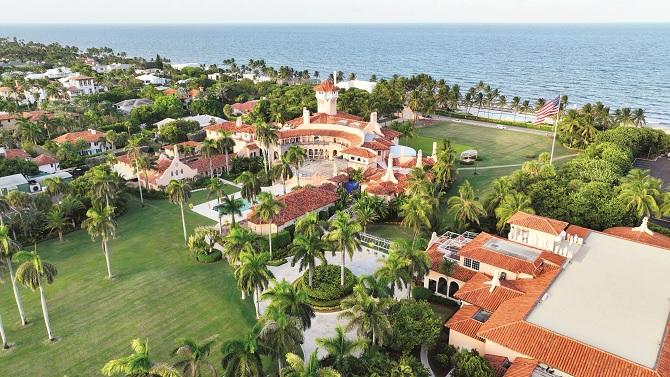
[339, 118]
[657, 239]
[578, 231]
[475, 250]
[390, 134]
[521, 367]
[244, 106]
[232, 127]
[543, 224]
[463, 322]
[351, 137]
[477, 292]
[497, 363]
[360, 152]
[326, 86]
[16, 154]
[201, 164]
[376, 145]
[298, 203]
[90, 136]
[44, 159]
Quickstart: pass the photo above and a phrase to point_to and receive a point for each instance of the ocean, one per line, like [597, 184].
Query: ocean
[618, 64]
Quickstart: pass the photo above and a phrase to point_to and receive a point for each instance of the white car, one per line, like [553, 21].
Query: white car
[501, 127]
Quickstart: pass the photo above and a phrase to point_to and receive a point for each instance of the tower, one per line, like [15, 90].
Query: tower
[326, 97]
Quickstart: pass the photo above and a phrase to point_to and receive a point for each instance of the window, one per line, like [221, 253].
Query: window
[471, 263]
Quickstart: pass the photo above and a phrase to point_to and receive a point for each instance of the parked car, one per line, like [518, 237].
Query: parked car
[501, 127]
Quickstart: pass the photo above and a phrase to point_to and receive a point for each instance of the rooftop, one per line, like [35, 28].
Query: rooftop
[614, 295]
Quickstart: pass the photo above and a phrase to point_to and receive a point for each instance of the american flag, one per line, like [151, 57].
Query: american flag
[549, 109]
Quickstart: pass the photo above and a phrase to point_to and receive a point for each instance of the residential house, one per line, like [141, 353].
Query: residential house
[112, 67]
[243, 135]
[81, 84]
[126, 106]
[15, 182]
[94, 141]
[243, 108]
[151, 79]
[203, 120]
[14, 154]
[46, 163]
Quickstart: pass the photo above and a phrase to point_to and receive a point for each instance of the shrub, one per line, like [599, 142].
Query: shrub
[413, 324]
[421, 293]
[216, 255]
[326, 283]
[280, 240]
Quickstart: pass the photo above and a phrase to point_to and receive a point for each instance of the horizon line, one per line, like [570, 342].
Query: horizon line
[445, 23]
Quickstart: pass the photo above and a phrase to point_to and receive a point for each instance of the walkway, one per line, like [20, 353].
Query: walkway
[513, 165]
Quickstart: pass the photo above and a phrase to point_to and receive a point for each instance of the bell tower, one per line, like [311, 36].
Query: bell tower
[326, 97]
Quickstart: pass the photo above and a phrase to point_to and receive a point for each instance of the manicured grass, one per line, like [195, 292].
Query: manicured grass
[159, 294]
[200, 196]
[495, 147]
[390, 231]
[425, 143]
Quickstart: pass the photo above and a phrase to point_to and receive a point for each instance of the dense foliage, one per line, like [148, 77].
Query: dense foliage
[413, 323]
[326, 283]
[17, 166]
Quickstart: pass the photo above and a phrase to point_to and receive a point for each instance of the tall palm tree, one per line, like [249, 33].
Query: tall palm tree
[343, 236]
[284, 170]
[225, 144]
[498, 189]
[306, 251]
[395, 270]
[339, 347]
[3, 335]
[638, 118]
[365, 214]
[515, 104]
[288, 299]
[238, 241]
[100, 225]
[194, 357]
[207, 149]
[309, 225]
[178, 193]
[296, 156]
[230, 206]
[366, 314]
[641, 193]
[72, 208]
[511, 204]
[7, 250]
[419, 262]
[375, 286]
[267, 136]
[250, 185]
[241, 358]
[267, 210]
[105, 185]
[624, 117]
[310, 368]
[56, 221]
[465, 207]
[415, 213]
[216, 188]
[138, 364]
[280, 333]
[54, 186]
[32, 273]
[253, 275]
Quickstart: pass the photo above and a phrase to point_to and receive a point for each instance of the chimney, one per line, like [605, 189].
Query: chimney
[419, 159]
[238, 122]
[435, 150]
[373, 117]
[92, 131]
[334, 77]
[175, 148]
[335, 172]
[389, 176]
[305, 115]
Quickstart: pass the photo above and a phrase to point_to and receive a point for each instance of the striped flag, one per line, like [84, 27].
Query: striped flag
[549, 109]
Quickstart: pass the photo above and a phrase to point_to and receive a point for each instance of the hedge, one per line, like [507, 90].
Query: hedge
[326, 284]
[421, 293]
[209, 258]
[510, 123]
[280, 240]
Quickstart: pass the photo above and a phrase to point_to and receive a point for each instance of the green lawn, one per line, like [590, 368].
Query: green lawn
[390, 231]
[199, 197]
[159, 294]
[495, 147]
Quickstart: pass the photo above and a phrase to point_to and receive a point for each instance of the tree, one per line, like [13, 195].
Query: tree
[32, 273]
[267, 136]
[280, 333]
[241, 358]
[343, 236]
[310, 368]
[309, 225]
[288, 299]
[511, 204]
[178, 193]
[7, 250]
[419, 262]
[230, 206]
[267, 210]
[365, 214]
[366, 314]
[99, 225]
[105, 185]
[207, 149]
[306, 251]
[3, 336]
[413, 324]
[638, 118]
[138, 364]
[134, 151]
[296, 156]
[339, 347]
[225, 143]
[54, 186]
[395, 270]
[194, 357]
[216, 188]
[375, 286]
[237, 241]
[250, 185]
[465, 207]
[284, 170]
[641, 193]
[468, 363]
[253, 275]
[415, 213]
[56, 221]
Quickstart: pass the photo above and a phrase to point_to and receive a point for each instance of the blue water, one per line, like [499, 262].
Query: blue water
[621, 65]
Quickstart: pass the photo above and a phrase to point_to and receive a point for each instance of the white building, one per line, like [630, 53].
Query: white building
[52, 73]
[46, 163]
[112, 67]
[94, 140]
[126, 106]
[80, 84]
[368, 86]
[203, 120]
[151, 79]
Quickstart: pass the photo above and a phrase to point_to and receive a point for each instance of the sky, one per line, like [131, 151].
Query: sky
[334, 11]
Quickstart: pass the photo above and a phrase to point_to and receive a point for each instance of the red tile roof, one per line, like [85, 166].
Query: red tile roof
[201, 164]
[231, 126]
[351, 137]
[323, 118]
[360, 152]
[477, 292]
[16, 154]
[410, 163]
[543, 224]
[657, 239]
[244, 106]
[44, 159]
[522, 367]
[576, 230]
[463, 322]
[298, 203]
[475, 250]
[497, 363]
[377, 145]
[188, 143]
[7, 116]
[90, 136]
[326, 86]
[390, 134]
[170, 91]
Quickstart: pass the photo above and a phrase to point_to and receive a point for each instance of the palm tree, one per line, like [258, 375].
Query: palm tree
[525, 108]
[366, 314]
[306, 251]
[105, 185]
[419, 262]
[465, 207]
[138, 364]
[237, 241]
[624, 117]
[241, 358]
[343, 236]
[284, 170]
[29, 132]
[71, 208]
[415, 213]
[638, 118]
[230, 206]
[641, 193]
[296, 156]
[253, 275]
[99, 224]
[310, 368]
[31, 273]
[375, 286]
[178, 193]
[280, 333]
[225, 143]
[250, 185]
[7, 249]
[515, 104]
[339, 347]
[54, 186]
[56, 221]
[267, 210]
[365, 214]
[309, 225]
[194, 357]
[207, 149]
[267, 136]
[287, 298]
[497, 191]
[216, 188]
[395, 270]
[3, 336]
[511, 204]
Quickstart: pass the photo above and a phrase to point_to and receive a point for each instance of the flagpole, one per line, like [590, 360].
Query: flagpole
[553, 142]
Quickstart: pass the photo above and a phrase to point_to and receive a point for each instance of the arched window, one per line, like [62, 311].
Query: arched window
[453, 288]
[442, 286]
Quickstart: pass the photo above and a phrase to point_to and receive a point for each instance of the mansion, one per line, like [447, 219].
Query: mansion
[555, 299]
